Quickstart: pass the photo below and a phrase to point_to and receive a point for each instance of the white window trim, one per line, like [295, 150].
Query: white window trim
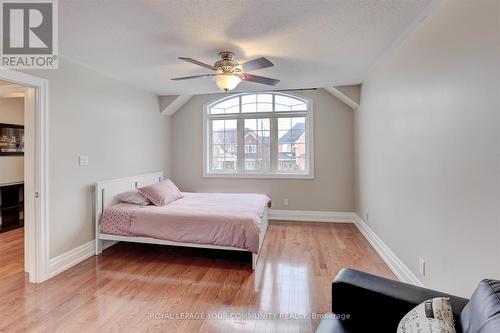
[260, 175]
[250, 151]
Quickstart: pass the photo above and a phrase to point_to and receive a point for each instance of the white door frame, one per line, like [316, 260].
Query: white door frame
[36, 178]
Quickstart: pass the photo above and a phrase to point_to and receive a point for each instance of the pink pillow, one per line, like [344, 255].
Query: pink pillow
[133, 197]
[161, 194]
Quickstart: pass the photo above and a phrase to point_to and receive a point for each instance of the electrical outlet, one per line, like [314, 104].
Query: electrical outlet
[285, 201]
[421, 266]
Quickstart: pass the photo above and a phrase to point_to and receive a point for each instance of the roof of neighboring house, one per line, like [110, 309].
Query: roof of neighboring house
[286, 156]
[294, 134]
[230, 136]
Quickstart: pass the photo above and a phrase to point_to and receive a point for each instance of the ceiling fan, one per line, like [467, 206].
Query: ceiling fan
[230, 73]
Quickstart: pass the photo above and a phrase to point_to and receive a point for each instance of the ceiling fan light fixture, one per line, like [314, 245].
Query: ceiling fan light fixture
[229, 73]
[227, 82]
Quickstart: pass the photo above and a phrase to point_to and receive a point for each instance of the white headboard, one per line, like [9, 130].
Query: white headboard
[106, 191]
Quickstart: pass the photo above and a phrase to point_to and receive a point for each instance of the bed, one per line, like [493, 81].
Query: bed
[236, 222]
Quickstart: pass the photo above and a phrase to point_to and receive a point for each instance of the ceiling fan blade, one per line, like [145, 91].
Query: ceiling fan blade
[255, 64]
[260, 79]
[199, 63]
[191, 77]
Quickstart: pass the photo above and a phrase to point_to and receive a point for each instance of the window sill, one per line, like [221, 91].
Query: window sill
[260, 175]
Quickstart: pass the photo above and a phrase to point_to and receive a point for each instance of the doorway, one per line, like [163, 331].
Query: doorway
[24, 190]
[12, 109]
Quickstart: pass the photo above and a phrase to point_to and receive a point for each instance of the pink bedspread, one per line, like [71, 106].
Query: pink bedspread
[222, 219]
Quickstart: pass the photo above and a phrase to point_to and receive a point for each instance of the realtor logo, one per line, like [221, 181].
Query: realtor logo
[29, 34]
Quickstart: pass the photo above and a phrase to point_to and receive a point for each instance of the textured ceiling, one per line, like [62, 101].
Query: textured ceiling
[312, 43]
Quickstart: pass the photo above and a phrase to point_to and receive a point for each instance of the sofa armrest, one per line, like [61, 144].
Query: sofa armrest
[379, 302]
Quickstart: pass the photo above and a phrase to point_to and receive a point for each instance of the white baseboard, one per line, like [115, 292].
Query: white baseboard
[71, 258]
[311, 216]
[402, 272]
[75, 256]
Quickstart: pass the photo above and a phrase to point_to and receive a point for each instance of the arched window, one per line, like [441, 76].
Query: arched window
[258, 135]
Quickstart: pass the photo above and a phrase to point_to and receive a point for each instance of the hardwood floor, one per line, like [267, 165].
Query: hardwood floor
[12, 252]
[151, 288]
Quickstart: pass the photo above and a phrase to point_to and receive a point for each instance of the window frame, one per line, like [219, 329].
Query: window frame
[250, 151]
[239, 117]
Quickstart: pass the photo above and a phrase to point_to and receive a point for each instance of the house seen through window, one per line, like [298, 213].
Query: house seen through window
[258, 134]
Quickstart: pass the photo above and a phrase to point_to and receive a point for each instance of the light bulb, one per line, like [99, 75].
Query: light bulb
[226, 82]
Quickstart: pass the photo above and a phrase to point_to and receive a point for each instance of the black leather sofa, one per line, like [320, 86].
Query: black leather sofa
[363, 302]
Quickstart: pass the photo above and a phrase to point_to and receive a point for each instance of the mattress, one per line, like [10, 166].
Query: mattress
[222, 219]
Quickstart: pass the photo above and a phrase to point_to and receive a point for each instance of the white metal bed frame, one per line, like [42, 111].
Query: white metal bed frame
[105, 192]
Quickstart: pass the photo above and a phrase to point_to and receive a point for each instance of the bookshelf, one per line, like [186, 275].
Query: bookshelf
[11, 206]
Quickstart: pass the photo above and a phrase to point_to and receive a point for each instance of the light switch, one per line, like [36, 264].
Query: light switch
[421, 268]
[83, 160]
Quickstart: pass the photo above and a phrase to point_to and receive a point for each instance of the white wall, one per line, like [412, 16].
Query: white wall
[11, 167]
[12, 110]
[428, 144]
[119, 127]
[330, 190]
